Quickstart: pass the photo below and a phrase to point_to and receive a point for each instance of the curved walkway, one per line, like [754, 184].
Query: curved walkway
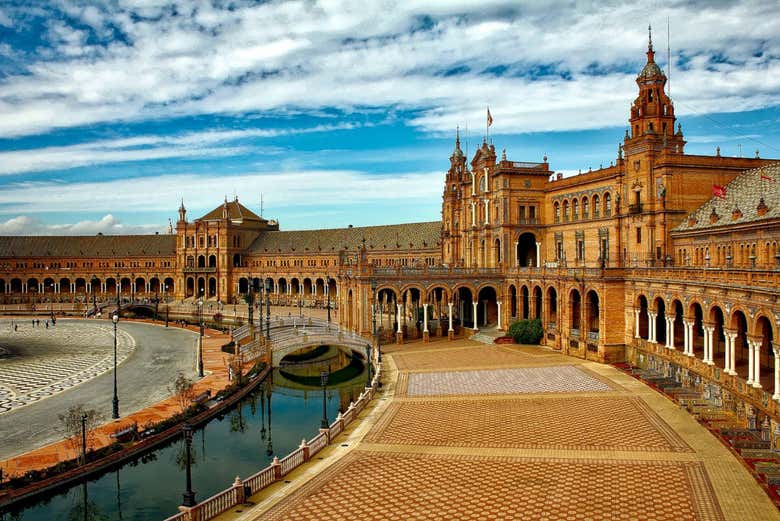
[507, 432]
[144, 379]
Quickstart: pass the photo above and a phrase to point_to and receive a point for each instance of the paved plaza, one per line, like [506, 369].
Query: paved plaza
[42, 361]
[539, 437]
[71, 363]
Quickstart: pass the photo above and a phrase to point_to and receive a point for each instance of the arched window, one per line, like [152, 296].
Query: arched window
[483, 183]
[607, 205]
[557, 210]
[575, 206]
[566, 211]
[596, 205]
[585, 207]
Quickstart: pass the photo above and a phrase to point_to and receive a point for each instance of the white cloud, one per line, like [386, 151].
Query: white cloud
[565, 63]
[108, 224]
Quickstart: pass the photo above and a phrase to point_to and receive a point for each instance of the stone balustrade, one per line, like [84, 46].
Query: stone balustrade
[236, 494]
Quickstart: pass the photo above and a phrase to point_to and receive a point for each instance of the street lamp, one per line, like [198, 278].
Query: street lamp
[115, 401]
[250, 300]
[157, 299]
[200, 343]
[368, 362]
[165, 291]
[118, 290]
[327, 296]
[189, 494]
[267, 317]
[261, 292]
[51, 301]
[324, 383]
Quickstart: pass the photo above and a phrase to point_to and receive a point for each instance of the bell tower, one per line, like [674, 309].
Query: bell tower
[451, 204]
[652, 113]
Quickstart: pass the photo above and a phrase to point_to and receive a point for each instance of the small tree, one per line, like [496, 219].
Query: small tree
[184, 391]
[526, 331]
[71, 422]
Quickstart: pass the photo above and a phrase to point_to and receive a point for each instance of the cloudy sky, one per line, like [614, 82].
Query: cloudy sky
[343, 112]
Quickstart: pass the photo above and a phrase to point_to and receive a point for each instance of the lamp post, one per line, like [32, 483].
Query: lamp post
[165, 293]
[132, 287]
[267, 317]
[249, 300]
[115, 401]
[84, 439]
[261, 292]
[327, 296]
[189, 494]
[157, 299]
[51, 300]
[324, 383]
[200, 342]
[93, 282]
[118, 290]
[368, 362]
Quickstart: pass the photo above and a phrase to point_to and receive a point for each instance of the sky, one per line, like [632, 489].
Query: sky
[344, 112]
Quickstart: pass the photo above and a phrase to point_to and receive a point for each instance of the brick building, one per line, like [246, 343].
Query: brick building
[633, 260]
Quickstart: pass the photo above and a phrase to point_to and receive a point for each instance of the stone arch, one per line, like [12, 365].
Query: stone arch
[282, 285]
[307, 287]
[526, 250]
[596, 205]
[464, 296]
[659, 306]
[32, 285]
[566, 214]
[212, 261]
[155, 285]
[48, 285]
[552, 305]
[739, 324]
[190, 287]
[111, 285]
[575, 309]
[678, 327]
[64, 285]
[243, 286]
[212, 289]
[319, 286]
[125, 285]
[201, 287]
[512, 301]
[525, 302]
[487, 305]
[593, 311]
[585, 207]
[140, 285]
[81, 285]
[644, 319]
[764, 333]
[497, 251]
[537, 307]
[168, 285]
[16, 285]
[718, 321]
[201, 261]
[607, 204]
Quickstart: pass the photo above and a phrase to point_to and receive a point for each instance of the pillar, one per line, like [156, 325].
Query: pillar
[708, 345]
[399, 335]
[426, 333]
[726, 351]
[500, 327]
[474, 304]
[487, 211]
[750, 363]
[670, 334]
[650, 326]
[636, 323]
[776, 395]
[538, 254]
[517, 259]
[451, 330]
[731, 349]
[757, 364]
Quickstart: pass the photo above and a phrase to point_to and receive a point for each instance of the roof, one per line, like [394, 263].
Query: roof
[236, 212]
[390, 237]
[744, 193]
[87, 246]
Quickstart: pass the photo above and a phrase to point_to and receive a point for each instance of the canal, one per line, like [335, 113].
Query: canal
[268, 422]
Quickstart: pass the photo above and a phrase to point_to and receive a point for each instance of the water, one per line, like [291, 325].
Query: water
[239, 443]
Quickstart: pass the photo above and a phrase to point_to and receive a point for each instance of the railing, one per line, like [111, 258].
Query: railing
[236, 494]
[635, 208]
[242, 332]
[202, 269]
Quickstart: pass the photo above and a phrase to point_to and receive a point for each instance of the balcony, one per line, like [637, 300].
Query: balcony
[204, 269]
[635, 208]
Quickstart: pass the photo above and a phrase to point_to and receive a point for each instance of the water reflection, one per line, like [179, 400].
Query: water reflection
[278, 414]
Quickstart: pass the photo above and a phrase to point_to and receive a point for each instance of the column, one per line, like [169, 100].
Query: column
[517, 259]
[449, 316]
[670, 334]
[708, 343]
[757, 364]
[487, 211]
[636, 323]
[726, 351]
[776, 395]
[399, 318]
[538, 254]
[750, 363]
[500, 327]
[731, 369]
[474, 304]
[650, 326]
[473, 213]
[425, 317]
[690, 338]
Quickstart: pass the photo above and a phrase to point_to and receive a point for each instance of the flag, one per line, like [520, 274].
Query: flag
[489, 118]
[719, 191]
[767, 178]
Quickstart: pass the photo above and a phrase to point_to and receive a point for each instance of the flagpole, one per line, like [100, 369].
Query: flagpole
[487, 126]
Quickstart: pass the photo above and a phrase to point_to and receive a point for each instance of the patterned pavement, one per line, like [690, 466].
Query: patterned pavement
[477, 432]
[555, 379]
[382, 486]
[41, 362]
[614, 423]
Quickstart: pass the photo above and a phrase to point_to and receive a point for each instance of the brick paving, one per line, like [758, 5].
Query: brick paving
[376, 486]
[540, 437]
[618, 423]
[555, 379]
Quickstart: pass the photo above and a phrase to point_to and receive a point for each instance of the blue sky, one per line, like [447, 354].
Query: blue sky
[343, 112]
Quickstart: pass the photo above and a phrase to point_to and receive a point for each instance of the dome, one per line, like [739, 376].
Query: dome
[650, 70]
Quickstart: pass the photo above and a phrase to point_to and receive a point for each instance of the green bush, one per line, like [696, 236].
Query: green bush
[526, 331]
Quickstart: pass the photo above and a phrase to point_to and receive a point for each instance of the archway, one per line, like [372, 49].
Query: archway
[660, 321]
[212, 287]
[678, 328]
[190, 287]
[465, 308]
[33, 286]
[168, 285]
[718, 339]
[552, 306]
[282, 286]
[537, 302]
[387, 299]
[140, 285]
[741, 357]
[766, 354]
[201, 261]
[524, 302]
[349, 310]
[593, 312]
[154, 285]
[212, 261]
[48, 285]
[575, 310]
[81, 285]
[243, 286]
[201, 286]
[16, 285]
[512, 301]
[110, 286]
[64, 285]
[643, 318]
[526, 250]
[487, 307]
[697, 342]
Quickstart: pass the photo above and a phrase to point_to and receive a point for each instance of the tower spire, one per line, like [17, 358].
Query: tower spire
[650, 51]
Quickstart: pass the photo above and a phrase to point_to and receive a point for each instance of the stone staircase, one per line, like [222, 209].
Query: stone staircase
[487, 335]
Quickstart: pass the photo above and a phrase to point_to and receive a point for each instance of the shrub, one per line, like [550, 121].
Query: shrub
[526, 331]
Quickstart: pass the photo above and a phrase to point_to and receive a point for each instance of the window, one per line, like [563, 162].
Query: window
[639, 235]
[565, 211]
[575, 209]
[559, 250]
[596, 206]
[585, 207]
[580, 249]
[522, 214]
[607, 205]
[532, 213]
[557, 209]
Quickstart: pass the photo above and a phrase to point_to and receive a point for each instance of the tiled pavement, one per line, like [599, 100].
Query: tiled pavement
[611, 449]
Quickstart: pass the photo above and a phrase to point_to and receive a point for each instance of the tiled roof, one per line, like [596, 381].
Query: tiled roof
[87, 246]
[741, 204]
[390, 237]
[236, 212]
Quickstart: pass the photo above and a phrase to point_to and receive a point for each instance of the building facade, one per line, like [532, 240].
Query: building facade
[636, 260]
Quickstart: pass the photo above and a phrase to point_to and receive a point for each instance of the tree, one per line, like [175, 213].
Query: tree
[184, 391]
[71, 423]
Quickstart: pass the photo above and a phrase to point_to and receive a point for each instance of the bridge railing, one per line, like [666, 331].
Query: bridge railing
[236, 494]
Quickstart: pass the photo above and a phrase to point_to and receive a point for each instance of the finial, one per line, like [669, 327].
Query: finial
[649, 37]
[457, 136]
[757, 154]
[620, 151]
[503, 155]
[544, 158]
[717, 151]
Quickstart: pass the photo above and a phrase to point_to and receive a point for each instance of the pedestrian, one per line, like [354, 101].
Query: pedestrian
[33, 322]
[47, 324]
[16, 327]
[38, 322]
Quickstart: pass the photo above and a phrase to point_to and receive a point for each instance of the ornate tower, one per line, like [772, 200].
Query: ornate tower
[451, 218]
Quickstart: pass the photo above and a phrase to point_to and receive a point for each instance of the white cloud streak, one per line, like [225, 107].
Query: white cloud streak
[563, 64]
[108, 224]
